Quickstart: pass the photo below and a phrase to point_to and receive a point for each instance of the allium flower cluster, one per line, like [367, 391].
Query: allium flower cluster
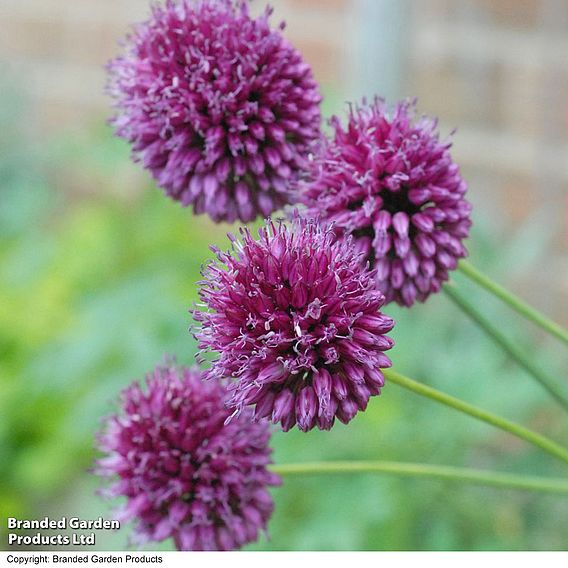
[295, 319]
[218, 106]
[389, 181]
[184, 473]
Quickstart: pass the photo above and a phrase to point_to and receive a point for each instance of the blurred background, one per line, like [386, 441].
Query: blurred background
[98, 269]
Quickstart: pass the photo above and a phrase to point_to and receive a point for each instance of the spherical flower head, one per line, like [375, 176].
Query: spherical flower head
[387, 180]
[295, 319]
[217, 105]
[184, 472]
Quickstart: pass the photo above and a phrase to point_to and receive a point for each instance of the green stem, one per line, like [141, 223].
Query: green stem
[517, 430]
[518, 354]
[513, 301]
[478, 477]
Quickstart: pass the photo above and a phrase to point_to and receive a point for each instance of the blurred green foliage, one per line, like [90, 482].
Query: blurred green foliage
[95, 288]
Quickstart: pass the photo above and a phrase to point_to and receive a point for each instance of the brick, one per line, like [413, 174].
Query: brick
[325, 60]
[34, 38]
[522, 14]
[519, 198]
[94, 45]
[322, 5]
[424, 83]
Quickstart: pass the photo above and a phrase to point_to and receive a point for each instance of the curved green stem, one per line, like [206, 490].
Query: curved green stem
[518, 354]
[478, 477]
[517, 430]
[513, 301]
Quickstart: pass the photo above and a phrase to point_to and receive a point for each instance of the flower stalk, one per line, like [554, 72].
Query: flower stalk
[513, 301]
[534, 438]
[508, 346]
[427, 471]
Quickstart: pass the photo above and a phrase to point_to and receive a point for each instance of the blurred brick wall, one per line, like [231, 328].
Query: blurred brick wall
[57, 48]
[497, 69]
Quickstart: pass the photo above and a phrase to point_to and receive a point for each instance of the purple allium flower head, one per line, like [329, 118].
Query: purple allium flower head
[389, 181]
[218, 106]
[184, 472]
[296, 321]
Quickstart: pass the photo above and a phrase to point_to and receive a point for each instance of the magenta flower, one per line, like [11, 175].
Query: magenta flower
[218, 106]
[296, 321]
[391, 183]
[184, 473]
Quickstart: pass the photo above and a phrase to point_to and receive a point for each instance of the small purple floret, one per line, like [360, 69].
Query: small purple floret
[218, 106]
[295, 319]
[389, 181]
[184, 472]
